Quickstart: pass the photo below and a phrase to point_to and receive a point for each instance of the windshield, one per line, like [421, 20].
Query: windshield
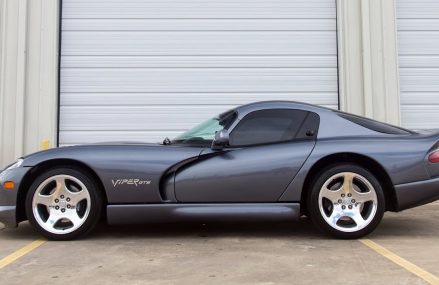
[205, 132]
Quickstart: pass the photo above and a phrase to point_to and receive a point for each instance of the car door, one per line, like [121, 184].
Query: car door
[267, 149]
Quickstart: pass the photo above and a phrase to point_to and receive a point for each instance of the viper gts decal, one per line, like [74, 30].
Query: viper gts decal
[131, 181]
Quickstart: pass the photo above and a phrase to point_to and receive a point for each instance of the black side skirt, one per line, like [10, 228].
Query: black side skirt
[231, 212]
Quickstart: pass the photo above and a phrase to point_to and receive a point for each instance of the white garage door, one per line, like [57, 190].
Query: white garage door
[136, 70]
[418, 37]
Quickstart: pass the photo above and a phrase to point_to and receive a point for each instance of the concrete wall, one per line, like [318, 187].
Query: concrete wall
[28, 76]
[29, 68]
[368, 59]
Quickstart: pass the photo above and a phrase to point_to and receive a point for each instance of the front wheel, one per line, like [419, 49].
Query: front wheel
[63, 204]
[346, 201]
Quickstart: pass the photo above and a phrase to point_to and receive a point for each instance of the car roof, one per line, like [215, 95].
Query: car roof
[279, 104]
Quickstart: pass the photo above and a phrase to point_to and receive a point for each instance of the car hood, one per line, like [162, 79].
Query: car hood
[114, 151]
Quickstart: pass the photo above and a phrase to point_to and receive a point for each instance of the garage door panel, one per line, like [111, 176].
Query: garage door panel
[145, 69]
[72, 137]
[419, 61]
[419, 79]
[199, 43]
[135, 118]
[198, 80]
[418, 43]
[419, 9]
[82, 137]
[420, 98]
[420, 116]
[198, 25]
[143, 118]
[191, 98]
[198, 9]
[427, 24]
[242, 61]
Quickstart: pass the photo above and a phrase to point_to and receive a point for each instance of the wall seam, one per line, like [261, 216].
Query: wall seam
[396, 52]
[2, 70]
[21, 77]
[341, 49]
[366, 58]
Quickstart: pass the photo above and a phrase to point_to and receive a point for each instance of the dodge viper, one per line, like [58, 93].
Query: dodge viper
[266, 161]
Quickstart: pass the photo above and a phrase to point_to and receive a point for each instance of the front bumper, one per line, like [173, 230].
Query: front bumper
[7, 216]
[8, 197]
[417, 193]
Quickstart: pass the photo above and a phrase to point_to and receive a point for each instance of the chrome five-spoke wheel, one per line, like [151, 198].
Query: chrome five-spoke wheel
[346, 200]
[64, 203]
[61, 204]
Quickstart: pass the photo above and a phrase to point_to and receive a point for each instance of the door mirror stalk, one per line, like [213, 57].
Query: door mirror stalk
[221, 140]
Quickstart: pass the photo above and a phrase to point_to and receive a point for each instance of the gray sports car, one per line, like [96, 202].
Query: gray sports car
[267, 161]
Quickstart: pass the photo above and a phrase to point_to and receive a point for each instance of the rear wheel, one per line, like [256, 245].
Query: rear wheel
[63, 204]
[346, 201]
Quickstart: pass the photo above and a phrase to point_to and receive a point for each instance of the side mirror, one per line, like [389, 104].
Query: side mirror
[221, 140]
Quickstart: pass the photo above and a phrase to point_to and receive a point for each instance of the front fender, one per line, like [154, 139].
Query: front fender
[8, 197]
[129, 173]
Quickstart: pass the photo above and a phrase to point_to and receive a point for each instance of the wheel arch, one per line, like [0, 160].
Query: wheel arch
[44, 166]
[367, 162]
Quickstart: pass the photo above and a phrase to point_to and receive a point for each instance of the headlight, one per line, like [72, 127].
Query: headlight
[16, 164]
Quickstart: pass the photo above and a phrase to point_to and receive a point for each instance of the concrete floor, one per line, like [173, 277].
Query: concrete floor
[227, 254]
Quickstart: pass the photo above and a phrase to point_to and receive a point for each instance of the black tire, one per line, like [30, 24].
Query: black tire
[95, 210]
[314, 208]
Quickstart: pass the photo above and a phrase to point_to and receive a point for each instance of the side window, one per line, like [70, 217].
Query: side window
[275, 125]
[309, 128]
